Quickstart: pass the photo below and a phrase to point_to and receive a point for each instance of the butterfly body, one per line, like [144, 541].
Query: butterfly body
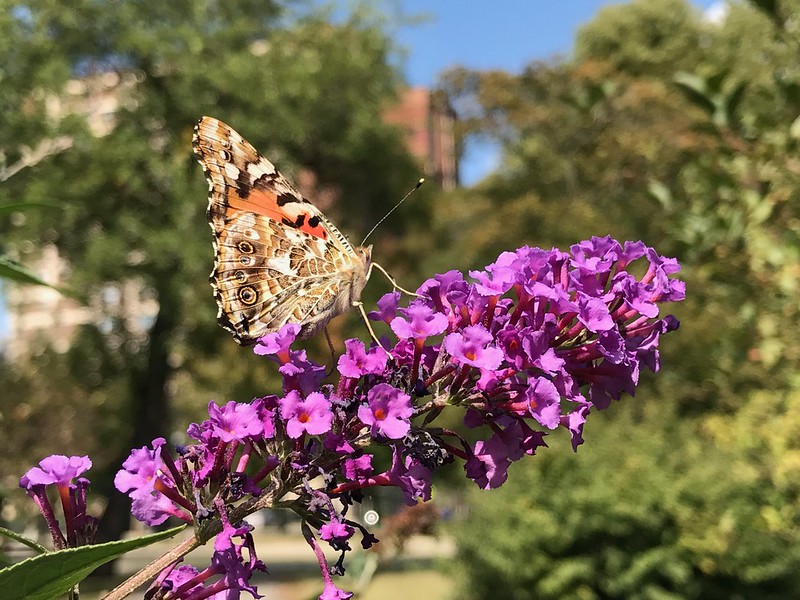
[278, 258]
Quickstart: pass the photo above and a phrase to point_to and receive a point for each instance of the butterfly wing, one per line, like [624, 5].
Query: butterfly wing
[278, 259]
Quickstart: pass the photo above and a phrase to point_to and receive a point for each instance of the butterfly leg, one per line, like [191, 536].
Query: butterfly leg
[333, 352]
[391, 279]
[360, 307]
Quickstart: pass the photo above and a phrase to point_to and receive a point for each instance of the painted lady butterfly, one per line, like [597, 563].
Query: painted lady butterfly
[278, 259]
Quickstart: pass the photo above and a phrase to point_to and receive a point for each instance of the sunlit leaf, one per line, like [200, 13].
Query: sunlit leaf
[695, 88]
[32, 544]
[50, 575]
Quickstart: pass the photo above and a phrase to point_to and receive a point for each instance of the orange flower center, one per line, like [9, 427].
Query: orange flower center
[304, 417]
[380, 414]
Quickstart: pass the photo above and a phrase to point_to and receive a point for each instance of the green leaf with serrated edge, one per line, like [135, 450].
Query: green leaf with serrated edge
[50, 575]
[33, 545]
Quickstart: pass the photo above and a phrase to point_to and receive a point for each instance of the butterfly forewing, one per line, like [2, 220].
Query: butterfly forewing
[278, 259]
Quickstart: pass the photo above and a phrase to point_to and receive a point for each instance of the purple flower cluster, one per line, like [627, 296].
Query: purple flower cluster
[63, 472]
[533, 342]
[225, 578]
[528, 345]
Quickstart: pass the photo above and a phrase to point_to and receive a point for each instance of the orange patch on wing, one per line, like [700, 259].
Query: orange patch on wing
[318, 231]
[266, 203]
[257, 201]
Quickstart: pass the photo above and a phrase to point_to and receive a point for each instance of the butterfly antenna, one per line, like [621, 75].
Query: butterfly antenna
[394, 208]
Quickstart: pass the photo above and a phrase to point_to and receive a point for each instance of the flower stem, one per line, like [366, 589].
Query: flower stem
[127, 587]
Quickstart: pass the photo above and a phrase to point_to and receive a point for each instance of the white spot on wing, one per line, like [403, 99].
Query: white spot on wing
[262, 167]
[296, 237]
[280, 264]
[231, 171]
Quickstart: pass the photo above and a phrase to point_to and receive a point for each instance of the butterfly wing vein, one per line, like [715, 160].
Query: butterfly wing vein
[278, 259]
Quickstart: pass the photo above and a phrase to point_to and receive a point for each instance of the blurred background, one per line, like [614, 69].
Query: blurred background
[669, 121]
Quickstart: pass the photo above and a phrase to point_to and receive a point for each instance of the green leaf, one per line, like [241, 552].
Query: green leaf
[695, 88]
[50, 575]
[716, 81]
[33, 545]
[661, 193]
[15, 272]
[734, 100]
[794, 129]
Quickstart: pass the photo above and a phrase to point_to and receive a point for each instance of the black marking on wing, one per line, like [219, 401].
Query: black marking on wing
[284, 199]
[298, 222]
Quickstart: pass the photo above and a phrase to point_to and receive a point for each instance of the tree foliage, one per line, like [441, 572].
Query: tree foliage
[617, 521]
[686, 140]
[651, 39]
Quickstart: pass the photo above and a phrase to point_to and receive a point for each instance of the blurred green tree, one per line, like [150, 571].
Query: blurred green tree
[616, 520]
[650, 39]
[684, 138]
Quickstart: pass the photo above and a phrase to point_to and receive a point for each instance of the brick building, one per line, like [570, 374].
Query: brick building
[429, 122]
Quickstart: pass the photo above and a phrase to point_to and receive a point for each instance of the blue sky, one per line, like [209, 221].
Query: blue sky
[502, 34]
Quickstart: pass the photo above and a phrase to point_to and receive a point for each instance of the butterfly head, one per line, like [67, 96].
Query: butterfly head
[361, 271]
[365, 254]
